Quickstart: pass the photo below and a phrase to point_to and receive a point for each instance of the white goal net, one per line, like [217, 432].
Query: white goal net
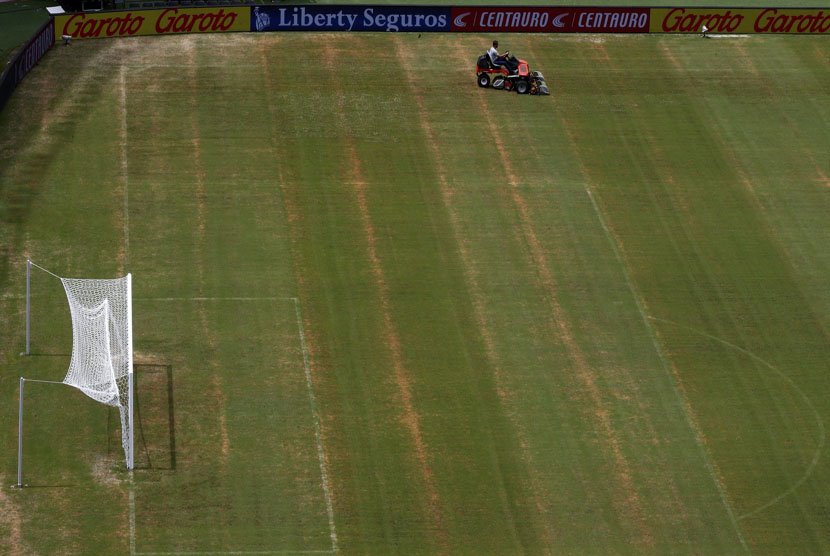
[102, 357]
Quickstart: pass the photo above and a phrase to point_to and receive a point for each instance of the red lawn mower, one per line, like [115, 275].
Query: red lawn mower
[515, 76]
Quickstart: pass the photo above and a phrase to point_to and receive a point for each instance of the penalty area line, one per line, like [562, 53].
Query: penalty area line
[214, 298]
[324, 478]
[240, 552]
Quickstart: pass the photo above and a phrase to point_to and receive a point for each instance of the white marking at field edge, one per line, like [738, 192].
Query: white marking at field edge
[794, 386]
[125, 174]
[324, 477]
[132, 515]
[242, 552]
[666, 368]
[317, 430]
[213, 298]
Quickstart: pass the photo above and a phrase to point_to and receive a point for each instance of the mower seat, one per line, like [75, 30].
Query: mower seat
[484, 62]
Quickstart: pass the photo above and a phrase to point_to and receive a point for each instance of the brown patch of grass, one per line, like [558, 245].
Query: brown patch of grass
[804, 146]
[215, 385]
[11, 522]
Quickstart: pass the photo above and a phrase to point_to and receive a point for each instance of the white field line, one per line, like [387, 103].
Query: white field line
[207, 553]
[666, 368]
[324, 477]
[242, 552]
[213, 298]
[132, 515]
[317, 429]
[182, 298]
[794, 386]
[125, 173]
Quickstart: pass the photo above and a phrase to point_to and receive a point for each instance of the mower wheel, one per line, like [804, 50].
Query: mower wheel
[522, 86]
[483, 80]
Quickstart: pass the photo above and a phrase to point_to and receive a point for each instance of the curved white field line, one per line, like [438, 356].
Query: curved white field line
[794, 386]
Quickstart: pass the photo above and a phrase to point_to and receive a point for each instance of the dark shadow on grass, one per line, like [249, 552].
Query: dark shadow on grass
[153, 385]
[17, 197]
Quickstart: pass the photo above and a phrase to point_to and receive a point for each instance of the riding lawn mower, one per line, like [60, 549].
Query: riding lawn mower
[515, 76]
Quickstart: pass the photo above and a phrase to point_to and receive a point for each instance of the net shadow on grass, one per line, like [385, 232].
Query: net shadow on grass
[155, 418]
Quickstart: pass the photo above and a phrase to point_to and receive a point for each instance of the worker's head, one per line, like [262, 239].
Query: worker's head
[496, 44]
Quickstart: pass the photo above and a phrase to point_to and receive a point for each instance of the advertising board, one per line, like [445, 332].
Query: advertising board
[492, 19]
[350, 18]
[740, 20]
[25, 60]
[94, 25]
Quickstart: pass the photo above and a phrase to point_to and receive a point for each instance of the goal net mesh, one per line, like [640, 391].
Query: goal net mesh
[101, 360]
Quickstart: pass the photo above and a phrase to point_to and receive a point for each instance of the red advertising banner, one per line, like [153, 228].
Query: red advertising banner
[549, 20]
[741, 20]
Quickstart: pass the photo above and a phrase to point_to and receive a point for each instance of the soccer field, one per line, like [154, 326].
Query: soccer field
[379, 310]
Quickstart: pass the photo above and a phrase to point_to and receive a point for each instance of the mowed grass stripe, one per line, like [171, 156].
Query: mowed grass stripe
[432, 303]
[409, 524]
[353, 173]
[376, 481]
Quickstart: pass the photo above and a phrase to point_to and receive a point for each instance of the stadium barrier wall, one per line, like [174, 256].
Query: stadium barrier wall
[25, 60]
[444, 19]
[563, 19]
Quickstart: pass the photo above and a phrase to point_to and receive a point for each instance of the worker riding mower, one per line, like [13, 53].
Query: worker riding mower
[515, 76]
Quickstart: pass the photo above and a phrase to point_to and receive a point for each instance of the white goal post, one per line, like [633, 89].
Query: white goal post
[101, 365]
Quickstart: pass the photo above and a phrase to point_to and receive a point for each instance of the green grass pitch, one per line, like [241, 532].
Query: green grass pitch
[379, 310]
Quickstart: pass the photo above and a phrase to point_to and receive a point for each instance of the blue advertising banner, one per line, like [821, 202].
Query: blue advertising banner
[350, 18]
